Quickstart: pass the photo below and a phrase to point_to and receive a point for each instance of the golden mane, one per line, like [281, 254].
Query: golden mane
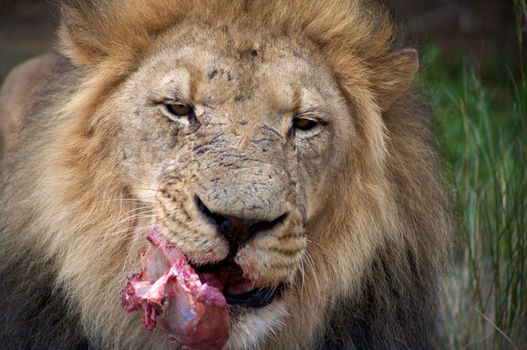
[387, 232]
[96, 31]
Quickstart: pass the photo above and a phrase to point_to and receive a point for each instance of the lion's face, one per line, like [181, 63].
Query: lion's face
[233, 142]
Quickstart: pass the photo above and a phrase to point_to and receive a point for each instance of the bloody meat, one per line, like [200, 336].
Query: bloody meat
[170, 295]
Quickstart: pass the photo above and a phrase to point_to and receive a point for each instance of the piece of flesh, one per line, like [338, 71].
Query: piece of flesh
[171, 296]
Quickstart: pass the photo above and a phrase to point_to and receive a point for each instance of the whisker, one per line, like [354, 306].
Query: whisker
[125, 232]
[302, 275]
[311, 265]
[133, 200]
[324, 249]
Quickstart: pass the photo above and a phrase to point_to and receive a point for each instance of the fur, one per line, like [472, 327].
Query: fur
[379, 243]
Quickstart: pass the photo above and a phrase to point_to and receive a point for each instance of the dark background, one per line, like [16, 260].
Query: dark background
[476, 27]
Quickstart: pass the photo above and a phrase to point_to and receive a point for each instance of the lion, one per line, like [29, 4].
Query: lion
[279, 137]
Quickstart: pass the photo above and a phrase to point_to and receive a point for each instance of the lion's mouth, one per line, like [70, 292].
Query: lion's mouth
[239, 291]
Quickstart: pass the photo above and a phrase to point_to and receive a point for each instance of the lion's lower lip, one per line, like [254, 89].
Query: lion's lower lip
[238, 290]
[257, 298]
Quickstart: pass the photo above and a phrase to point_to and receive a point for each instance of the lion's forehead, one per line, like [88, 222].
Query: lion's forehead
[258, 77]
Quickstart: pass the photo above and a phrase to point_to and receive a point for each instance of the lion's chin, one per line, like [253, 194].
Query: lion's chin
[251, 326]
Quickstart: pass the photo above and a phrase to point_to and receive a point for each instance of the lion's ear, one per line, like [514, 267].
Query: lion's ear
[78, 40]
[94, 32]
[393, 77]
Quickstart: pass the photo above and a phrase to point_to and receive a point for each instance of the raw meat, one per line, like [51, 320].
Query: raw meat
[170, 295]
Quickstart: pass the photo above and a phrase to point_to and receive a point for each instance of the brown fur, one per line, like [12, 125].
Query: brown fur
[374, 227]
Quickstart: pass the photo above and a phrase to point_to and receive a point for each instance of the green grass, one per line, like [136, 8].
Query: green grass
[482, 126]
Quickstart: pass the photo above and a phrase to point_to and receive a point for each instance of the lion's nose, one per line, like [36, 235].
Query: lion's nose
[239, 229]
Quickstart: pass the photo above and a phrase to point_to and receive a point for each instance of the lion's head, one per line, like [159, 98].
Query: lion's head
[275, 136]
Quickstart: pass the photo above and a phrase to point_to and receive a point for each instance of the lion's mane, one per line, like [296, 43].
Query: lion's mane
[381, 247]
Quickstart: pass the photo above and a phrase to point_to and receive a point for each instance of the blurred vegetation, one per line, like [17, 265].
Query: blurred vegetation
[482, 126]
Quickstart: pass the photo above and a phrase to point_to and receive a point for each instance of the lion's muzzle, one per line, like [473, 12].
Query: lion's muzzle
[241, 228]
[240, 221]
[245, 201]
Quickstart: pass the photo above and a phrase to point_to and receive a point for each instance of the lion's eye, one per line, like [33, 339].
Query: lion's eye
[179, 109]
[304, 124]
